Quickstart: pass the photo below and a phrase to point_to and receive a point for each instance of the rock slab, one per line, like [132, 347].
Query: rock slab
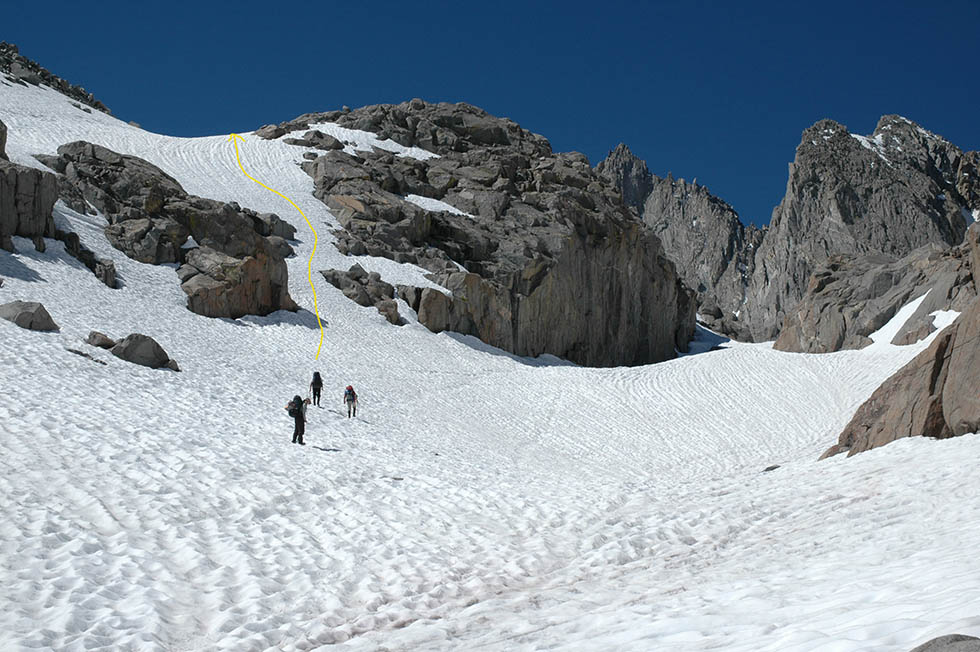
[850, 297]
[934, 395]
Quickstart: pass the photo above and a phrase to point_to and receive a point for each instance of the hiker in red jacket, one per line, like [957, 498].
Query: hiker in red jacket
[350, 398]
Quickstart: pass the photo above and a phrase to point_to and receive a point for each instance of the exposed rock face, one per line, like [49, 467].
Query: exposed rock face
[28, 314]
[366, 290]
[890, 193]
[935, 395]
[27, 196]
[950, 643]
[704, 237]
[143, 350]
[850, 297]
[3, 141]
[233, 271]
[552, 260]
[22, 70]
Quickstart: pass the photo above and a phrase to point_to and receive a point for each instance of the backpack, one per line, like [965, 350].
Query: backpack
[350, 395]
[294, 409]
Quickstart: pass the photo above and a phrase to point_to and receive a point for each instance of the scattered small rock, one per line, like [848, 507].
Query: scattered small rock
[770, 468]
[101, 340]
[85, 355]
[366, 290]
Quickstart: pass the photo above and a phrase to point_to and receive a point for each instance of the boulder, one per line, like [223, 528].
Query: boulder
[95, 338]
[316, 139]
[148, 241]
[934, 395]
[218, 285]
[235, 270]
[142, 350]
[366, 290]
[280, 246]
[272, 224]
[270, 132]
[27, 196]
[950, 643]
[28, 314]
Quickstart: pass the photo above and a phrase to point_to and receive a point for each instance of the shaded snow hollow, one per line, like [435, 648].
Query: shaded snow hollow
[480, 500]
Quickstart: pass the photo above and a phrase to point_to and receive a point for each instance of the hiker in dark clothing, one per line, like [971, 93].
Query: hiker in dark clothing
[297, 410]
[316, 386]
[350, 398]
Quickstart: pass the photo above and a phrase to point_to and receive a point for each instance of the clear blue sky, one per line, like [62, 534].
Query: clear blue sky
[714, 90]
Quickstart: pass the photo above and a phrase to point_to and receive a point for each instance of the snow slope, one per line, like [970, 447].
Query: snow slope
[479, 501]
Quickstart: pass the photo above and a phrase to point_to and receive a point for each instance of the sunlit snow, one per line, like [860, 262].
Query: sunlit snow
[479, 501]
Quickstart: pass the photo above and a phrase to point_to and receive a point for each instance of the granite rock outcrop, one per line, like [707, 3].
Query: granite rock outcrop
[539, 253]
[228, 267]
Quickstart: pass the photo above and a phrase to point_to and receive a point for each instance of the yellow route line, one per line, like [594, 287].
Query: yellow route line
[309, 268]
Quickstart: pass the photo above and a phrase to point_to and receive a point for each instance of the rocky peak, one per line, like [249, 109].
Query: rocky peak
[439, 128]
[626, 171]
[702, 234]
[892, 192]
[21, 70]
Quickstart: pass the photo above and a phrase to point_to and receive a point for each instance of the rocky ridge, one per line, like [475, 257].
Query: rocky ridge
[231, 258]
[890, 193]
[702, 234]
[18, 69]
[539, 252]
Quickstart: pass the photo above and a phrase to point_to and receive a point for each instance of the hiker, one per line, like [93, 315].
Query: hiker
[350, 398]
[297, 410]
[316, 386]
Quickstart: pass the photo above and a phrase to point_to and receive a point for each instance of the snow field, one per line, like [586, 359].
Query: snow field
[480, 500]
